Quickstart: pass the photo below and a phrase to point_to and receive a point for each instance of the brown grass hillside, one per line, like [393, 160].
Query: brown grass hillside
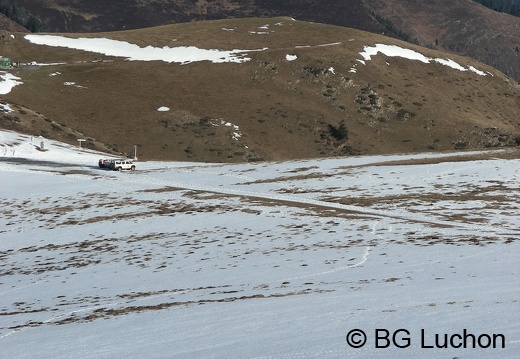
[284, 109]
[460, 26]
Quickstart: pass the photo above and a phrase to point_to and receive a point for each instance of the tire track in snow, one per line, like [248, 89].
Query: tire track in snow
[301, 200]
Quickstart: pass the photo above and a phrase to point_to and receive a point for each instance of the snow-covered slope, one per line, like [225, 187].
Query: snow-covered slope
[265, 260]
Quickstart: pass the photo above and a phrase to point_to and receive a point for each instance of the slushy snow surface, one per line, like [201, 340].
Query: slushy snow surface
[267, 260]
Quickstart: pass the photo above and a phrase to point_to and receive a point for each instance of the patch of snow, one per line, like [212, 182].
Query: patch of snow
[259, 33]
[264, 27]
[449, 63]
[7, 82]
[331, 70]
[52, 74]
[330, 44]
[392, 50]
[132, 52]
[290, 57]
[70, 83]
[163, 109]
[477, 71]
[35, 63]
[5, 108]
[226, 29]
[23, 146]
[397, 51]
[236, 133]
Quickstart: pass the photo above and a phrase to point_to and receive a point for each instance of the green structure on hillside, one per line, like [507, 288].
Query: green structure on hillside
[5, 62]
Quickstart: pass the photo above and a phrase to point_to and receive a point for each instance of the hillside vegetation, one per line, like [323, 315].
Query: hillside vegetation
[20, 16]
[305, 92]
[508, 6]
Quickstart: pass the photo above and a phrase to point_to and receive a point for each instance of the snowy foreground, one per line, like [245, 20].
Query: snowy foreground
[269, 260]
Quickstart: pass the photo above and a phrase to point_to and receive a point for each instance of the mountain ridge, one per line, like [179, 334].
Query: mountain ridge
[459, 26]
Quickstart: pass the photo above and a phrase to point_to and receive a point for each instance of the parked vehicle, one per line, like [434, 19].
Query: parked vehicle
[119, 165]
[102, 163]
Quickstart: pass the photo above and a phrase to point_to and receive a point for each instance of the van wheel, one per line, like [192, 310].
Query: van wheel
[132, 168]
[119, 168]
